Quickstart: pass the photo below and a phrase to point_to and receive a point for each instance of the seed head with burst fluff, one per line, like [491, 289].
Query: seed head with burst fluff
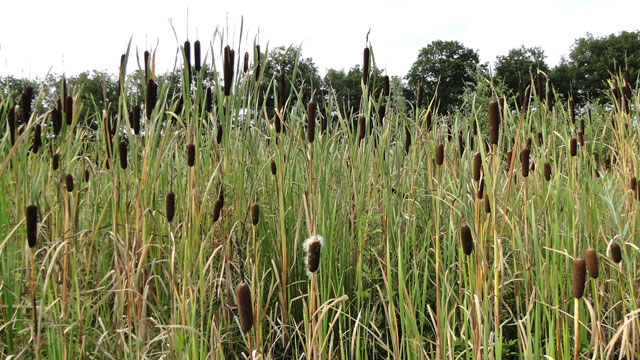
[312, 247]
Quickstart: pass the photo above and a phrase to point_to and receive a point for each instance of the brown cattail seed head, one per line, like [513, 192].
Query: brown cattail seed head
[170, 205]
[572, 110]
[135, 119]
[196, 53]
[217, 208]
[87, 175]
[273, 168]
[419, 100]
[385, 85]
[68, 179]
[55, 161]
[37, 139]
[313, 246]
[633, 183]
[123, 155]
[540, 139]
[361, 127]
[150, 97]
[579, 277]
[191, 155]
[187, 56]
[219, 133]
[440, 154]
[480, 193]
[365, 66]
[255, 214]
[208, 100]
[245, 67]
[466, 240]
[524, 160]
[494, 121]
[25, 103]
[257, 61]
[311, 121]
[429, 121]
[56, 121]
[547, 171]
[68, 110]
[245, 309]
[591, 258]
[32, 225]
[487, 205]
[616, 254]
[407, 139]
[573, 147]
[228, 69]
[580, 138]
[477, 166]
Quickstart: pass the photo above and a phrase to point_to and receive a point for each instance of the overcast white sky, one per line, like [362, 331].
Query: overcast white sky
[70, 36]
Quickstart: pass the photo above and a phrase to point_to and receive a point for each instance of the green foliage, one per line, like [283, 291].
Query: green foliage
[447, 66]
[592, 61]
[517, 66]
[347, 86]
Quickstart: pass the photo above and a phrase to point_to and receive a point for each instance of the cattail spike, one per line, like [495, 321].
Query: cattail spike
[494, 121]
[524, 161]
[477, 166]
[439, 154]
[547, 171]
[37, 139]
[191, 155]
[573, 147]
[385, 85]
[151, 97]
[122, 149]
[32, 225]
[311, 121]
[196, 53]
[255, 214]
[217, 208]
[246, 62]
[170, 204]
[68, 110]
[365, 66]
[312, 246]
[591, 258]
[579, 277]
[245, 307]
[273, 168]
[68, 179]
[361, 127]
[616, 253]
[466, 240]
[55, 162]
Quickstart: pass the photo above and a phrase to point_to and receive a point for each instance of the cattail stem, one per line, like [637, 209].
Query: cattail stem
[576, 327]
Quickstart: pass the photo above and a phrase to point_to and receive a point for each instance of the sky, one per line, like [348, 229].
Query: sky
[38, 37]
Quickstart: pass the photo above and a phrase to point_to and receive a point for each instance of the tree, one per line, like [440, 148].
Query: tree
[516, 66]
[447, 65]
[305, 78]
[593, 60]
[347, 85]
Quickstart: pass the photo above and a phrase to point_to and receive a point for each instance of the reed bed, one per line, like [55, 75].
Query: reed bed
[169, 254]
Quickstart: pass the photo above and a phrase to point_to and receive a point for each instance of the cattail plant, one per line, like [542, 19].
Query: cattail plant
[87, 175]
[25, 104]
[572, 110]
[151, 97]
[68, 179]
[12, 124]
[255, 214]
[245, 308]
[365, 66]
[323, 120]
[480, 193]
[385, 86]
[146, 66]
[407, 139]
[539, 86]
[579, 277]
[494, 122]
[196, 53]
[361, 127]
[32, 225]
[477, 166]
[229, 56]
[257, 61]
[633, 183]
[191, 155]
[170, 205]
[524, 161]
[439, 154]
[547, 171]
[208, 100]
[245, 67]
[428, 120]
[311, 121]
[487, 204]
[122, 150]
[573, 144]
[68, 110]
[219, 133]
[616, 253]
[591, 258]
[540, 139]
[135, 119]
[580, 138]
[217, 208]
[419, 98]
[187, 59]
[55, 161]
[466, 240]
[273, 168]
[312, 247]
[550, 98]
[37, 140]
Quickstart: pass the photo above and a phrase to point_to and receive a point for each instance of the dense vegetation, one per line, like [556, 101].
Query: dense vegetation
[151, 216]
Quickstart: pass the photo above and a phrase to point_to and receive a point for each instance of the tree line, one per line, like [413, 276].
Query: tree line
[445, 70]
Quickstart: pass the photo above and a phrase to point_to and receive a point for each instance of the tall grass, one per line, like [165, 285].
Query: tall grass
[168, 255]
